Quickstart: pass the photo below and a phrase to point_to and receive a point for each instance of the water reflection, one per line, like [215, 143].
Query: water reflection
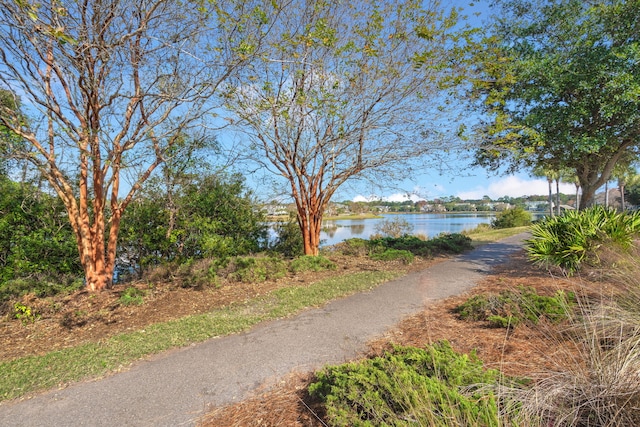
[357, 229]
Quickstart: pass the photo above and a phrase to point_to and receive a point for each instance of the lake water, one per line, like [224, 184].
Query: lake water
[429, 225]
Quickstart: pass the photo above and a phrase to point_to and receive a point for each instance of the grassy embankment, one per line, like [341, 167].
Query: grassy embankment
[27, 375]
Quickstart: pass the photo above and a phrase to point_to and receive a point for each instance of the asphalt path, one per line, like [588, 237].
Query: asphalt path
[175, 388]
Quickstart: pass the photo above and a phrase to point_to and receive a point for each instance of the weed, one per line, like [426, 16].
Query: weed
[132, 296]
[311, 263]
[24, 313]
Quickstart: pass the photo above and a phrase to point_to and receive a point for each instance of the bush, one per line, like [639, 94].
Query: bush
[514, 217]
[569, 240]
[450, 243]
[354, 246]
[513, 307]
[433, 386]
[404, 243]
[40, 285]
[394, 254]
[258, 269]
[396, 227]
[289, 238]
[311, 263]
[198, 274]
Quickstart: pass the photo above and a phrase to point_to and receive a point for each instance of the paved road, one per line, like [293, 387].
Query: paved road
[175, 387]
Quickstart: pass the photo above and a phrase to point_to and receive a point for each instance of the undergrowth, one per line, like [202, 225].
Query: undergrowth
[431, 386]
[513, 307]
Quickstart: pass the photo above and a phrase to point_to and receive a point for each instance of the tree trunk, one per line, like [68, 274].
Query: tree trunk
[606, 194]
[577, 196]
[622, 201]
[550, 198]
[588, 195]
[558, 196]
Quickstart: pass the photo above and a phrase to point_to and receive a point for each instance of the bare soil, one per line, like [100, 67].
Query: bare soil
[524, 352]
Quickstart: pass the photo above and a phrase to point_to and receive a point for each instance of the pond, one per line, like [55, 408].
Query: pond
[429, 225]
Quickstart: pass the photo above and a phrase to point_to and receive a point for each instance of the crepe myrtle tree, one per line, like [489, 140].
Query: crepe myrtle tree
[344, 91]
[110, 87]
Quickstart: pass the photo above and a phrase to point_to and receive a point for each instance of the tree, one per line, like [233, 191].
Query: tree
[550, 175]
[625, 173]
[113, 86]
[347, 91]
[560, 86]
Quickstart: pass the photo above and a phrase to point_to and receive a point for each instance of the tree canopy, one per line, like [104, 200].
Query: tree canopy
[561, 83]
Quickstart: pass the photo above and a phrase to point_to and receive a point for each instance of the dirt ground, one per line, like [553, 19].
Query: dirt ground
[520, 352]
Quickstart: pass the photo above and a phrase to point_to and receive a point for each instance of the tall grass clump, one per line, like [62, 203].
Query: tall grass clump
[595, 379]
[596, 383]
[567, 241]
[431, 386]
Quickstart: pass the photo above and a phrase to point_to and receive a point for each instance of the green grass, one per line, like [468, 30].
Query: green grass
[35, 373]
[492, 235]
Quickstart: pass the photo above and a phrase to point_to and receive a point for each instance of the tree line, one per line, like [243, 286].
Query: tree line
[96, 97]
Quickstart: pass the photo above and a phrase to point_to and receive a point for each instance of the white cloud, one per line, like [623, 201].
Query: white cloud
[403, 197]
[371, 198]
[396, 197]
[513, 186]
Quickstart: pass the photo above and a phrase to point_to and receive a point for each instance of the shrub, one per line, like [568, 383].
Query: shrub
[509, 218]
[354, 246]
[288, 240]
[395, 227]
[404, 243]
[432, 386]
[311, 263]
[450, 243]
[41, 285]
[394, 254]
[198, 273]
[258, 269]
[569, 240]
[513, 307]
